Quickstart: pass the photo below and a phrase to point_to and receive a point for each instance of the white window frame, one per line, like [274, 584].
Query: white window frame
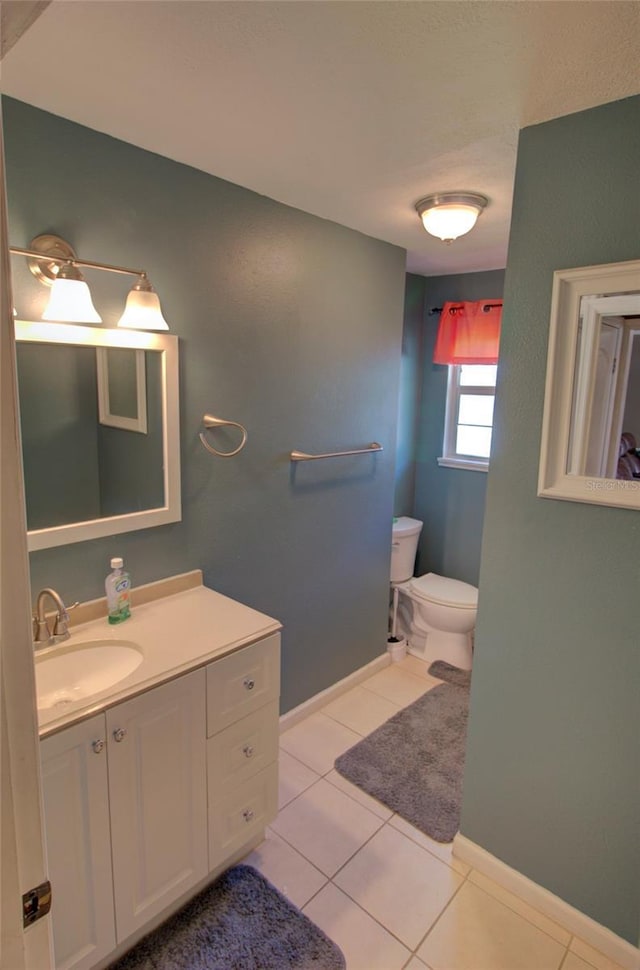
[450, 457]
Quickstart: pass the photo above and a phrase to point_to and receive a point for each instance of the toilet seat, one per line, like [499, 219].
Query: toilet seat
[444, 591]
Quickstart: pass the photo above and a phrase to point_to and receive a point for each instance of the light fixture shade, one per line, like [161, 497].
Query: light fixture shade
[70, 300]
[449, 215]
[142, 310]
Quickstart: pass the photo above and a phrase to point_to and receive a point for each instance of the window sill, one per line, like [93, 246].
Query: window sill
[468, 463]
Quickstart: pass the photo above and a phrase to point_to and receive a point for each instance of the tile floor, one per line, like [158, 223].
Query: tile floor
[388, 895]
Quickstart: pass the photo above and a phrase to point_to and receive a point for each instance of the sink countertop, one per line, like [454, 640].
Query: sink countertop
[176, 634]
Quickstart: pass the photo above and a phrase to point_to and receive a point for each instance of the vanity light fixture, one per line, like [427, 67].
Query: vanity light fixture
[142, 310]
[53, 261]
[70, 298]
[448, 215]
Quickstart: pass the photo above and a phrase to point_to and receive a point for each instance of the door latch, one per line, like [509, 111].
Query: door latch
[36, 903]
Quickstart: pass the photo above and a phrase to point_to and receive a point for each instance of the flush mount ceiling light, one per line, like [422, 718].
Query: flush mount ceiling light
[448, 215]
[53, 261]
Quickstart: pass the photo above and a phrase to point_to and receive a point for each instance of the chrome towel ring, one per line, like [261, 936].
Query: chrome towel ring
[209, 422]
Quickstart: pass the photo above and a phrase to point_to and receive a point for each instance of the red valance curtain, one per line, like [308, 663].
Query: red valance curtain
[469, 333]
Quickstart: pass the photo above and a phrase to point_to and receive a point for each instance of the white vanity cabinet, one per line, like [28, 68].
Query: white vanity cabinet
[157, 798]
[125, 817]
[145, 799]
[242, 749]
[76, 810]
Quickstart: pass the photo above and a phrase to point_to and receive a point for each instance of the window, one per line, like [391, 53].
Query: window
[468, 420]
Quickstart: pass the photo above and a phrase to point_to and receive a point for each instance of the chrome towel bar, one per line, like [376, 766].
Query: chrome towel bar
[209, 422]
[303, 456]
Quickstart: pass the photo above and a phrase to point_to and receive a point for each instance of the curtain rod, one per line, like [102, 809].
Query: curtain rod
[487, 306]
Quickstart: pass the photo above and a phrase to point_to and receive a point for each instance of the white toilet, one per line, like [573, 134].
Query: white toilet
[436, 615]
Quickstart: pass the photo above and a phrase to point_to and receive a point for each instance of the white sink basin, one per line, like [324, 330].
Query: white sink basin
[78, 670]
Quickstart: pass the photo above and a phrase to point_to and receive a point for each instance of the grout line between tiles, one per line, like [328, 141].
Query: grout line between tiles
[522, 915]
[442, 911]
[296, 758]
[355, 730]
[333, 717]
[374, 919]
[390, 932]
[584, 959]
[564, 958]
[425, 847]
[378, 693]
[356, 800]
[385, 821]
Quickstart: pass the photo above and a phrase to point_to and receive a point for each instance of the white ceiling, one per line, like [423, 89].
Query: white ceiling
[351, 110]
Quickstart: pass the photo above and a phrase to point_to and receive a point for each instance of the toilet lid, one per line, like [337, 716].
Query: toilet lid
[404, 526]
[445, 592]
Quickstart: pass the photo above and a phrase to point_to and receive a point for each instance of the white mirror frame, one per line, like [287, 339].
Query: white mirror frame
[167, 345]
[569, 287]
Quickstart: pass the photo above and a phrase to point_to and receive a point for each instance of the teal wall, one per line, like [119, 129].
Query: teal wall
[410, 392]
[288, 323]
[450, 501]
[552, 782]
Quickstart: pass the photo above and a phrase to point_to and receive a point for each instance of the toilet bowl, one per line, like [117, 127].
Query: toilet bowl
[436, 615]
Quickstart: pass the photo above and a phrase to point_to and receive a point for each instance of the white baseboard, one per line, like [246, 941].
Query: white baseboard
[314, 703]
[596, 935]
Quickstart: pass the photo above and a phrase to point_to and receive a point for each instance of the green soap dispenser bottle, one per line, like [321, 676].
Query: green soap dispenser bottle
[118, 589]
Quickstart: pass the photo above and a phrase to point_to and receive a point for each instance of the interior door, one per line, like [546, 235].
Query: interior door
[22, 849]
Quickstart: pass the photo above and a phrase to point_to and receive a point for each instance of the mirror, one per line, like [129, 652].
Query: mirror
[122, 387]
[592, 393]
[100, 431]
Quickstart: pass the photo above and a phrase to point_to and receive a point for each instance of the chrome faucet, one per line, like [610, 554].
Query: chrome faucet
[43, 636]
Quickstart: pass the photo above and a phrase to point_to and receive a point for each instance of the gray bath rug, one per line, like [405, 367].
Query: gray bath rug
[240, 922]
[413, 763]
[453, 675]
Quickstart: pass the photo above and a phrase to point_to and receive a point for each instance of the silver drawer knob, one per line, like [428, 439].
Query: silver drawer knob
[247, 814]
[248, 751]
[97, 746]
[249, 683]
[119, 734]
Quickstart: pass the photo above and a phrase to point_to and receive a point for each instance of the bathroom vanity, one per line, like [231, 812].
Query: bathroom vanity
[157, 783]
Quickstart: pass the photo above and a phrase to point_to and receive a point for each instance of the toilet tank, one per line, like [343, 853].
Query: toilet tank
[404, 546]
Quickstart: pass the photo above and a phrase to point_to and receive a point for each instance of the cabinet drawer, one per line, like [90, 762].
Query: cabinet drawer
[241, 683]
[242, 813]
[243, 749]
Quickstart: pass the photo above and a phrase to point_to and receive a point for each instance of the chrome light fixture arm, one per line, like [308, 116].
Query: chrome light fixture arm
[44, 261]
[53, 261]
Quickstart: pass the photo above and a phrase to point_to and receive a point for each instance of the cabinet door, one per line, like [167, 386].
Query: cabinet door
[157, 786]
[76, 809]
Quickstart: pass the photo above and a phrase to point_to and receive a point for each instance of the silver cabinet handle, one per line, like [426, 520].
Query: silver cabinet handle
[248, 751]
[247, 814]
[119, 734]
[97, 746]
[249, 683]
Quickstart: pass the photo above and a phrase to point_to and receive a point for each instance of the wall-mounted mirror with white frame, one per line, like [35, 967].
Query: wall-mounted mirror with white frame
[592, 392]
[100, 430]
